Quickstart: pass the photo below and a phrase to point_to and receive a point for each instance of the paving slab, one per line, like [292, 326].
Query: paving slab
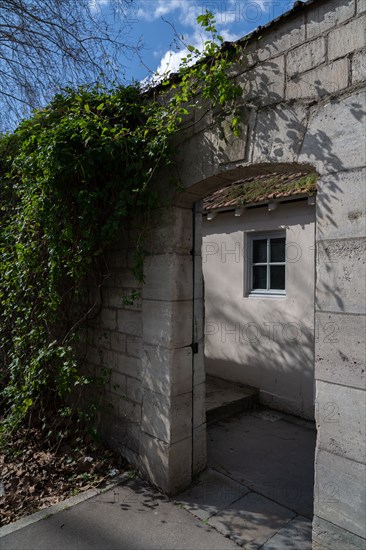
[295, 536]
[212, 493]
[270, 453]
[251, 521]
[131, 516]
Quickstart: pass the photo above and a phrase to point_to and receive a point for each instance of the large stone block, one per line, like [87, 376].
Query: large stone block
[334, 140]
[167, 418]
[134, 390]
[325, 15]
[327, 536]
[118, 342]
[168, 277]
[121, 434]
[285, 36]
[199, 449]
[347, 39]
[340, 349]
[341, 273]
[172, 232]
[167, 323]
[279, 134]
[129, 411]
[339, 492]
[117, 383]
[129, 322]
[340, 205]
[319, 82]
[264, 84]
[359, 67]
[199, 405]
[167, 466]
[305, 57]
[361, 6]
[167, 371]
[341, 423]
[131, 366]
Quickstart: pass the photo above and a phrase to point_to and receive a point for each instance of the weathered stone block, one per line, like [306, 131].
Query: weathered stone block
[341, 273]
[225, 146]
[341, 415]
[321, 81]
[199, 405]
[167, 418]
[134, 390]
[168, 277]
[167, 466]
[359, 67]
[129, 411]
[121, 434]
[167, 371]
[340, 349]
[283, 38]
[117, 383]
[324, 16]
[361, 6]
[199, 371]
[129, 322]
[334, 140]
[305, 57]
[279, 133]
[118, 342]
[327, 536]
[340, 205]
[172, 232]
[346, 39]
[102, 339]
[264, 84]
[199, 449]
[167, 323]
[134, 346]
[130, 366]
[339, 492]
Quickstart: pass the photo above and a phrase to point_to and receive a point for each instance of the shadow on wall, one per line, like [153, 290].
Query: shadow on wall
[262, 351]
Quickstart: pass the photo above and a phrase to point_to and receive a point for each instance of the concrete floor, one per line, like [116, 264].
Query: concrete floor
[258, 490]
[257, 493]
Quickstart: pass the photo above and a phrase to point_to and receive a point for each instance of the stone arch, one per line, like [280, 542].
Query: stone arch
[173, 428]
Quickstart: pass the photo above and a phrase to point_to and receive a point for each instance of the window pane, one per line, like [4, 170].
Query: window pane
[277, 277]
[278, 250]
[259, 277]
[260, 251]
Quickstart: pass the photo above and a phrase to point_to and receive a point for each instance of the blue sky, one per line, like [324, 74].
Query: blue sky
[234, 18]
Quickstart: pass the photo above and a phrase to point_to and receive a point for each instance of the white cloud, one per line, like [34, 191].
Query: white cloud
[187, 10]
[229, 36]
[96, 5]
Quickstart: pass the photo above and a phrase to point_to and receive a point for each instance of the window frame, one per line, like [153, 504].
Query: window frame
[260, 235]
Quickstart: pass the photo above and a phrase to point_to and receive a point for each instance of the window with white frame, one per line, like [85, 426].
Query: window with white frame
[267, 264]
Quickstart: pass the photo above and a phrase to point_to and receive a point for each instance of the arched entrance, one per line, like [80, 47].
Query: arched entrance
[173, 438]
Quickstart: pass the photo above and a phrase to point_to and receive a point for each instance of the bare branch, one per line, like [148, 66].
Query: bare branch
[47, 44]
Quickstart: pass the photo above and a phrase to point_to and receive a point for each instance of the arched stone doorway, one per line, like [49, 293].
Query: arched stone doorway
[173, 437]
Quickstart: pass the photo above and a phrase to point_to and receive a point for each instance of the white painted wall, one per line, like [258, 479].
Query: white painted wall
[263, 342]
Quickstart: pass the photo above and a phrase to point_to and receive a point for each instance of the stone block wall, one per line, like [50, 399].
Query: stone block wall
[304, 105]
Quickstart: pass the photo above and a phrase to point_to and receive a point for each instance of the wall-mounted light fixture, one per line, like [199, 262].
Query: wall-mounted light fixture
[239, 211]
[211, 215]
[272, 206]
[312, 200]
